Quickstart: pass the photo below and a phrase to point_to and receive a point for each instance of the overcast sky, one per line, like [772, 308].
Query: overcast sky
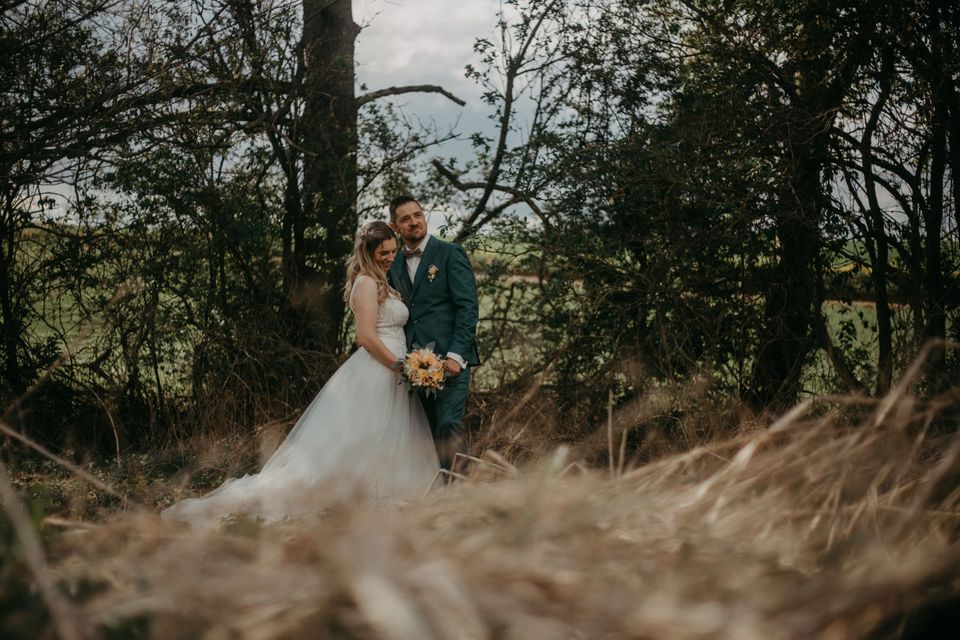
[406, 42]
[407, 39]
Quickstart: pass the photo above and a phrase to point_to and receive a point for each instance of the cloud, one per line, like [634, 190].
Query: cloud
[405, 42]
[420, 41]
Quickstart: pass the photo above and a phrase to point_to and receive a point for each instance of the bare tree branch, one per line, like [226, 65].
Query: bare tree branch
[517, 198]
[843, 369]
[514, 63]
[416, 88]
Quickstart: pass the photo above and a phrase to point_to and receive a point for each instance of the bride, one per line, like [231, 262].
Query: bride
[363, 435]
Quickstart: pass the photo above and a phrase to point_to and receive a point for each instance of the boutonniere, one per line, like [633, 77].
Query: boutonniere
[432, 272]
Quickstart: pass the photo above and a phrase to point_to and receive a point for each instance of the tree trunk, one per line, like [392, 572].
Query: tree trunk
[935, 285]
[953, 295]
[878, 242]
[789, 308]
[323, 234]
[824, 70]
[792, 295]
[12, 324]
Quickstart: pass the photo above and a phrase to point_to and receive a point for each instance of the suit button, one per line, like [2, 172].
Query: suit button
[416, 322]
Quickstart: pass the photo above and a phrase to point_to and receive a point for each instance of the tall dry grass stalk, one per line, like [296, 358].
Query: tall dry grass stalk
[819, 526]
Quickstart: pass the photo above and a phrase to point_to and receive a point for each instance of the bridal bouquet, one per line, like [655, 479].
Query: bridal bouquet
[422, 370]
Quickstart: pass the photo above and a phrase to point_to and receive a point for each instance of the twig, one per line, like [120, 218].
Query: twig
[6, 430]
[623, 450]
[62, 523]
[109, 414]
[610, 432]
[576, 464]
[488, 463]
[124, 290]
[441, 472]
[908, 378]
[121, 293]
[535, 384]
[499, 459]
[789, 419]
[61, 612]
[419, 88]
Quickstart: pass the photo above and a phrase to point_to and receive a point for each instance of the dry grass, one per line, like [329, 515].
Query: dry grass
[822, 525]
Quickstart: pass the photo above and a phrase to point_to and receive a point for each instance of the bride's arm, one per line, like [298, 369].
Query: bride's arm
[365, 308]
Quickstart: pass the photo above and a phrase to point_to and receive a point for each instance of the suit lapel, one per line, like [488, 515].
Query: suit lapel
[401, 279]
[433, 246]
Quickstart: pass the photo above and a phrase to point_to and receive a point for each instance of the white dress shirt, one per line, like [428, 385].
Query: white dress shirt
[412, 265]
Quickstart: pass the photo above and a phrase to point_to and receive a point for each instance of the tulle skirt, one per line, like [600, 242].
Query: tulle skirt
[363, 437]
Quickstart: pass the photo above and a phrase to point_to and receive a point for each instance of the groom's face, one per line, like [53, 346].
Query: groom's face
[410, 223]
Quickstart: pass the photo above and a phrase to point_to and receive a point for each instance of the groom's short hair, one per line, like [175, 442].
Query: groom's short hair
[396, 202]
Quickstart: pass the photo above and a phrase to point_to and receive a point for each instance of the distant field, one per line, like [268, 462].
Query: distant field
[852, 326]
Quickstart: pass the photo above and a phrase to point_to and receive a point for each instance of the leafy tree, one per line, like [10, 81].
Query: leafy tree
[67, 101]
[686, 177]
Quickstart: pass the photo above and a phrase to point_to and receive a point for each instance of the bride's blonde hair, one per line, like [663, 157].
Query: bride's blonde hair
[361, 261]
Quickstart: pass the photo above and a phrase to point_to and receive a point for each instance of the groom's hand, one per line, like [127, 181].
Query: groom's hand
[451, 366]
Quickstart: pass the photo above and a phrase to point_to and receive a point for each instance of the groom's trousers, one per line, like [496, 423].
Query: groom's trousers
[445, 413]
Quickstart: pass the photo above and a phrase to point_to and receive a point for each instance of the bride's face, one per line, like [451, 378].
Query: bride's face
[384, 254]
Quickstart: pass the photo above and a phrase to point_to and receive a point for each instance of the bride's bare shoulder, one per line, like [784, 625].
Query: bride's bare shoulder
[363, 292]
[364, 284]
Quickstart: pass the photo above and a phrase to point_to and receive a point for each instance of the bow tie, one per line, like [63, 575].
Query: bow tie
[416, 253]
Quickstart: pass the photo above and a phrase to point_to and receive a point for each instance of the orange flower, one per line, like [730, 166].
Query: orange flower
[423, 370]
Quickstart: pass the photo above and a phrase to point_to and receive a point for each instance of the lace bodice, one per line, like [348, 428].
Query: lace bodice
[392, 316]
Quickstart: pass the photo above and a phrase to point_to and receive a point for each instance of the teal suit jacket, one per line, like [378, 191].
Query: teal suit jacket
[442, 300]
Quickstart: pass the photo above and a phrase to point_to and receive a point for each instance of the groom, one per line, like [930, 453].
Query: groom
[436, 281]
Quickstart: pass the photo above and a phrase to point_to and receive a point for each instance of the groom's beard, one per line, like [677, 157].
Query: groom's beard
[413, 240]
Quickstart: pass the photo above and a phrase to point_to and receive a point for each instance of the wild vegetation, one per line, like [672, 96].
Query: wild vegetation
[719, 262]
[838, 520]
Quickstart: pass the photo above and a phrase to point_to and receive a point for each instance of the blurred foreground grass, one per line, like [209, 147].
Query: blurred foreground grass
[840, 520]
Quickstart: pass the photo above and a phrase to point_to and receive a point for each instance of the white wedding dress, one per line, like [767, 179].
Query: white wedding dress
[364, 437]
